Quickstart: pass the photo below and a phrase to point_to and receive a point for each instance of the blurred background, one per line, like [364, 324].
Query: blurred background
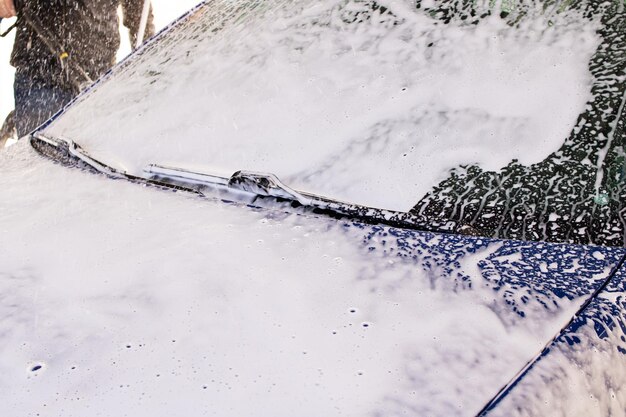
[165, 11]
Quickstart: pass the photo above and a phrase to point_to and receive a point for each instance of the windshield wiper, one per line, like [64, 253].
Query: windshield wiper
[260, 189]
[257, 187]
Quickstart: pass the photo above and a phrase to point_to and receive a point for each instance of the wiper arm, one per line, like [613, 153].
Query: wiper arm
[245, 186]
[68, 152]
[266, 185]
[253, 187]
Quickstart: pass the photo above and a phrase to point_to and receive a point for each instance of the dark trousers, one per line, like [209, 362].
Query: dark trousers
[36, 101]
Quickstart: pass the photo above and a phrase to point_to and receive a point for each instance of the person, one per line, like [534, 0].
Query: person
[60, 47]
[7, 131]
[7, 9]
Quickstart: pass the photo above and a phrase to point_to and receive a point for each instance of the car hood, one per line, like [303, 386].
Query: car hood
[118, 298]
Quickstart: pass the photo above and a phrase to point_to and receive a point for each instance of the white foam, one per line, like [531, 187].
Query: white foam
[374, 113]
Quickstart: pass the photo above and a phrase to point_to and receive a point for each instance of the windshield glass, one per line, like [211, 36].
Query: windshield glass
[379, 103]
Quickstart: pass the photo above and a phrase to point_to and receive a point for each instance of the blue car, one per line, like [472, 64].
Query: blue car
[328, 208]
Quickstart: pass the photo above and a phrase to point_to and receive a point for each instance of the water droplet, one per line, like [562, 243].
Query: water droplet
[601, 199]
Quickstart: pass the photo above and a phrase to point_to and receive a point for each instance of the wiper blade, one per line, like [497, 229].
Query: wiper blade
[261, 189]
[267, 185]
[253, 187]
[70, 153]
[246, 183]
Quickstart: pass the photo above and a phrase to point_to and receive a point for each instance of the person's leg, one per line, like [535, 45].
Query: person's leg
[7, 131]
[35, 102]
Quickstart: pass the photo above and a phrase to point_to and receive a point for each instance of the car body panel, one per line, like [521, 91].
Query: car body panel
[572, 376]
[129, 298]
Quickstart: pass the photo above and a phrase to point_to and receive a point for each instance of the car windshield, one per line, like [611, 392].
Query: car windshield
[505, 117]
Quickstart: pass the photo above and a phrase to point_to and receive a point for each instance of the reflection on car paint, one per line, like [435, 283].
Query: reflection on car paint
[583, 362]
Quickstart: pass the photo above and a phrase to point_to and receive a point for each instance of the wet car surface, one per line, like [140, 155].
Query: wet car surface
[249, 249]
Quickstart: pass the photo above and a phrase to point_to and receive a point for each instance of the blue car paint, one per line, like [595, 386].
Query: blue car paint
[567, 278]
